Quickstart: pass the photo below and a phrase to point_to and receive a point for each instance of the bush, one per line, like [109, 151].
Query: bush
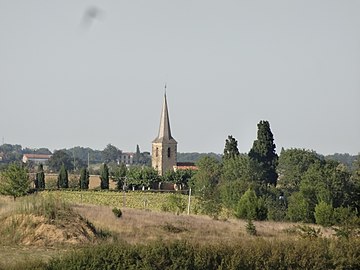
[299, 209]
[324, 214]
[315, 254]
[308, 232]
[176, 204]
[251, 207]
[276, 210]
[117, 212]
[342, 215]
[250, 228]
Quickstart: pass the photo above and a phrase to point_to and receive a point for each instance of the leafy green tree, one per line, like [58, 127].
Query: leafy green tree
[324, 214]
[205, 183]
[142, 177]
[179, 177]
[355, 179]
[38, 151]
[231, 148]
[234, 180]
[119, 175]
[63, 179]
[263, 158]
[11, 153]
[293, 163]
[14, 181]
[299, 209]
[40, 178]
[251, 207]
[111, 153]
[60, 158]
[104, 176]
[84, 179]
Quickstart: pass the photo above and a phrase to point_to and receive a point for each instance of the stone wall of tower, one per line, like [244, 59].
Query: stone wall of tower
[164, 156]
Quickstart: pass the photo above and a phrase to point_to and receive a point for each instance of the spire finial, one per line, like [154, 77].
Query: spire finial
[165, 90]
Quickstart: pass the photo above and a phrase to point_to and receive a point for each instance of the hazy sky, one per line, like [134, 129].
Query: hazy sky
[70, 79]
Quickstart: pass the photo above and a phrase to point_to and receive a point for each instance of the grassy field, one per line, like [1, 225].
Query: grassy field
[154, 201]
[141, 224]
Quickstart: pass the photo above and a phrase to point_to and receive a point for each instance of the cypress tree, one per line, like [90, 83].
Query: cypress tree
[40, 178]
[137, 156]
[104, 176]
[63, 180]
[231, 148]
[263, 158]
[84, 179]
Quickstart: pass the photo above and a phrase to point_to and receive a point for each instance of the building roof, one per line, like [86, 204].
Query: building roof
[37, 156]
[186, 166]
[164, 129]
[127, 153]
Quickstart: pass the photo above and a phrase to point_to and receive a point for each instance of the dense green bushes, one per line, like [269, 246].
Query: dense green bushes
[316, 253]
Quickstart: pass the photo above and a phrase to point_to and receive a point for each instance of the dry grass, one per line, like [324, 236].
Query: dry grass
[139, 226]
[6, 204]
[135, 226]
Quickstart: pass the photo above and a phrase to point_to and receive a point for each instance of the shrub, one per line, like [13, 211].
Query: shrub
[251, 207]
[117, 212]
[299, 209]
[14, 181]
[176, 203]
[343, 215]
[308, 232]
[250, 228]
[324, 214]
[281, 254]
[276, 210]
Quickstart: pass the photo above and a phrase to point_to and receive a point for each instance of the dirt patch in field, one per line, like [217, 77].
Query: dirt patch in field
[29, 229]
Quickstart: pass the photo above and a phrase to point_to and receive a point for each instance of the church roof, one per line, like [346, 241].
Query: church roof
[164, 130]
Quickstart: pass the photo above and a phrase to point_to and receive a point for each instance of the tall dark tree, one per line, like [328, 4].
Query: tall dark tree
[231, 148]
[104, 176]
[356, 184]
[137, 156]
[63, 179]
[263, 158]
[84, 179]
[40, 178]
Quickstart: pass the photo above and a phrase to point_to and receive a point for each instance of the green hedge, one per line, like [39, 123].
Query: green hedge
[250, 254]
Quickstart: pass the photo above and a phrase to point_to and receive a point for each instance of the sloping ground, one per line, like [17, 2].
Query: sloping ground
[139, 226]
[29, 229]
[35, 221]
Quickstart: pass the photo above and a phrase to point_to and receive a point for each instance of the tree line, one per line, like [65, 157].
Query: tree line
[298, 185]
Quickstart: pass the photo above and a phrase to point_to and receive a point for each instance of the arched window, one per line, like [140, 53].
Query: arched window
[157, 152]
[169, 152]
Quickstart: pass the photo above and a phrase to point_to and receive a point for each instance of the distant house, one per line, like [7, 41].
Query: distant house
[35, 158]
[127, 158]
[1, 156]
[185, 166]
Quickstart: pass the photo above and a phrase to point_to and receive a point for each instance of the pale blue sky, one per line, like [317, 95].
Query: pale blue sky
[228, 64]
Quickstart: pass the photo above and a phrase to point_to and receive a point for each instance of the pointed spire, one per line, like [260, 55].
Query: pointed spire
[164, 129]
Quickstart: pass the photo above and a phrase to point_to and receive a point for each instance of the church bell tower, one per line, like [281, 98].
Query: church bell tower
[164, 147]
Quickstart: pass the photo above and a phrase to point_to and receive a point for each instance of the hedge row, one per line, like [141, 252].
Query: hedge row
[251, 254]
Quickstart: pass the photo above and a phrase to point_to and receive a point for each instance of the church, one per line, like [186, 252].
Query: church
[164, 147]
